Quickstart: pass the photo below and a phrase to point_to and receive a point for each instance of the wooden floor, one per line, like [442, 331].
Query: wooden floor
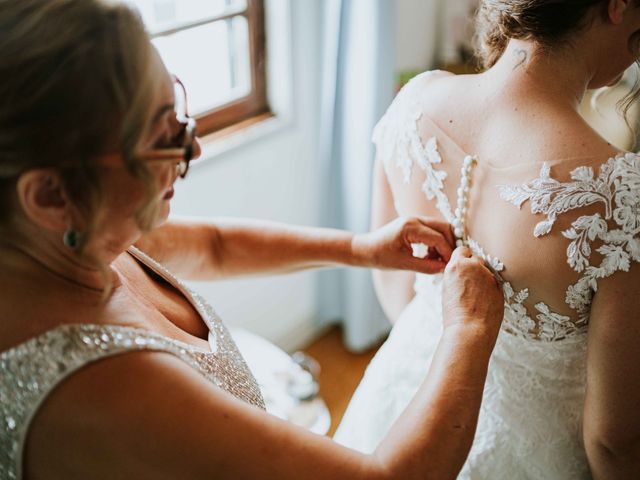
[341, 372]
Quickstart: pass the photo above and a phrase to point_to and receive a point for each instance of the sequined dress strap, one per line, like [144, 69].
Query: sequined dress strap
[32, 370]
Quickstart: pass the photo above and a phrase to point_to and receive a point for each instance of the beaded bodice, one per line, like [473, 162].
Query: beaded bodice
[31, 370]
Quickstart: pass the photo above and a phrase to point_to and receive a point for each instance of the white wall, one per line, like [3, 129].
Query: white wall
[273, 178]
[416, 33]
[429, 31]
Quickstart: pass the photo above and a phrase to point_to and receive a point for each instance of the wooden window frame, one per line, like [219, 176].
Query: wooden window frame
[255, 104]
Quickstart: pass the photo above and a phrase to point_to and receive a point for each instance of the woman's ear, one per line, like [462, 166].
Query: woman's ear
[43, 200]
[616, 10]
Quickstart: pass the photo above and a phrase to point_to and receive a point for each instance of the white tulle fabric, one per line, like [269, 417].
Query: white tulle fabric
[530, 422]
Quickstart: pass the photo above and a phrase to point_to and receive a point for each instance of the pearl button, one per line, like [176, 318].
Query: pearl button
[463, 198]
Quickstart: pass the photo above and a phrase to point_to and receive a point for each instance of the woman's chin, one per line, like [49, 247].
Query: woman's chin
[162, 214]
[165, 210]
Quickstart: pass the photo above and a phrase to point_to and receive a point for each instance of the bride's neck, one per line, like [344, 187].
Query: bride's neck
[560, 75]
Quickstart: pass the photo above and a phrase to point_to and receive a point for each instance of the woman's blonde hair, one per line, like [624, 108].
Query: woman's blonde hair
[78, 79]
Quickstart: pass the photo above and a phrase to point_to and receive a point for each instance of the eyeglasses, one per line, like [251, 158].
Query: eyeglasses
[180, 146]
[177, 148]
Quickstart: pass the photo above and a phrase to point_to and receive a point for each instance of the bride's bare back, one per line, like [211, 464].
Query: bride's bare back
[513, 145]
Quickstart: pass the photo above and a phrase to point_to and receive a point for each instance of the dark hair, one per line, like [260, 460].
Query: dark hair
[547, 22]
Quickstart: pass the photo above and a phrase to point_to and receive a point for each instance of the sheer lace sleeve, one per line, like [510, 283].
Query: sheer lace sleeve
[395, 136]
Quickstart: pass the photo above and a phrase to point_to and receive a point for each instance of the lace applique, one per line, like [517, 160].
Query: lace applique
[397, 137]
[518, 321]
[392, 140]
[496, 265]
[617, 187]
[434, 179]
[551, 326]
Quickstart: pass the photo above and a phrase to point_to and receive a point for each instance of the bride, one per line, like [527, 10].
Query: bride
[555, 210]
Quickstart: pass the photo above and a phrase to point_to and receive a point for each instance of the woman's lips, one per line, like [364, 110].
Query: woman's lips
[168, 194]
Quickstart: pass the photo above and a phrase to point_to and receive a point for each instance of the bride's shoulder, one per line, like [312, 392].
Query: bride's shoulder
[418, 87]
[603, 160]
[409, 103]
[426, 77]
[621, 171]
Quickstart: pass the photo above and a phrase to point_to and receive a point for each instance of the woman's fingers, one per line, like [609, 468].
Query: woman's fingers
[431, 238]
[425, 265]
[430, 266]
[463, 256]
[439, 226]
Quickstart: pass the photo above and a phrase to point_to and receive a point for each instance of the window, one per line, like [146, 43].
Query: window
[217, 48]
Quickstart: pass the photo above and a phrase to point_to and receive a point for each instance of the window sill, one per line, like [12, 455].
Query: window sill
[216, 144]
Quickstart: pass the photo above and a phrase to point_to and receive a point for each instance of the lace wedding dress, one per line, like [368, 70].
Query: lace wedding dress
[583, 228]
[33, 369]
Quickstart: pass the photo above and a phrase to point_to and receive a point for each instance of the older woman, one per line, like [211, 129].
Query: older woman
[111, 367]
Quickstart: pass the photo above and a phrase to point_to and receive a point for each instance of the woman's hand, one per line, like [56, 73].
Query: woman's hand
[390, 247]
[471, 295]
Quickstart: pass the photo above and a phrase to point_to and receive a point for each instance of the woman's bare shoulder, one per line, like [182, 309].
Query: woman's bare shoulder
[150, 415]
[116, 410]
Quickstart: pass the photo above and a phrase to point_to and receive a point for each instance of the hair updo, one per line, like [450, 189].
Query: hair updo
[548, 22]
[78, 79]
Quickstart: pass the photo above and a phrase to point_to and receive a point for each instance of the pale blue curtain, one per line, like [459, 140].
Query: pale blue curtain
[358, 85]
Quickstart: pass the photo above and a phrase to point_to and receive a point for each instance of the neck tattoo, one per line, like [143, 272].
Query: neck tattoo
[521, 57]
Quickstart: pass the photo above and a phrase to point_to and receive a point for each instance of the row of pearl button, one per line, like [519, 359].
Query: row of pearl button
[460, 213]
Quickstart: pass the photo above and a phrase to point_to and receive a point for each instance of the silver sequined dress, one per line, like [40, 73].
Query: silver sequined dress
[30, 371]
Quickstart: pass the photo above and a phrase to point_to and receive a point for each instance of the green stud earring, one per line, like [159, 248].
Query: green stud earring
[71, 239]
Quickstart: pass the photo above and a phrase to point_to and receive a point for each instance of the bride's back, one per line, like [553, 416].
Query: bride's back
[556, 212]
[516, 137]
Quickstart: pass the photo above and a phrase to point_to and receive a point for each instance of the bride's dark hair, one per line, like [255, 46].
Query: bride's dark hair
[548, 22]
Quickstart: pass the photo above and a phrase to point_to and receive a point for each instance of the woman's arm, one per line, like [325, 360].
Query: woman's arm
[149, 415]
[612, 404]
[223, 248]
